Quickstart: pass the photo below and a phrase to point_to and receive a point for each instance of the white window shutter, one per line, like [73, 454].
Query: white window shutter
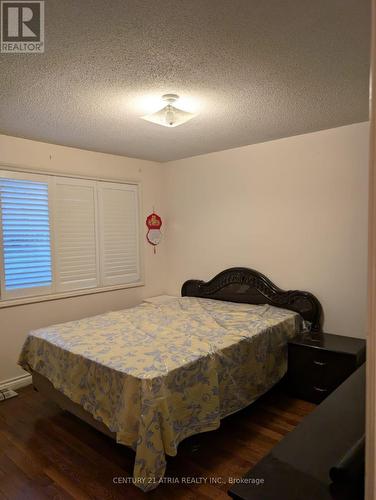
[75, 234]
[119, 233]
[25, 246]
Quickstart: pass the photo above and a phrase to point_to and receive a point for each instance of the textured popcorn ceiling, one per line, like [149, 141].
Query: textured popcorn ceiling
[254, 70]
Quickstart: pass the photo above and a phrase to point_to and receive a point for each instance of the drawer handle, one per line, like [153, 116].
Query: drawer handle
[320, 389]
[319, 363]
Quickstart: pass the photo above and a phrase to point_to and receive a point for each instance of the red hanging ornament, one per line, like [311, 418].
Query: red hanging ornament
[154, 235]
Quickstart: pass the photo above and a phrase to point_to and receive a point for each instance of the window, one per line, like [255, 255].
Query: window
[25, 236]
[60, 234]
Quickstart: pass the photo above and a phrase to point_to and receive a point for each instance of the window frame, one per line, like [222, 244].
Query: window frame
[42, 294]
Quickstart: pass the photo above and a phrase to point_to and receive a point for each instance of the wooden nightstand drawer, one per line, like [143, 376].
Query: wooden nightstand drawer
[315, 393]
[336, 368]
[318, 366]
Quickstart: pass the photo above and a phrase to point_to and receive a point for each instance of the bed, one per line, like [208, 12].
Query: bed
[152, 375]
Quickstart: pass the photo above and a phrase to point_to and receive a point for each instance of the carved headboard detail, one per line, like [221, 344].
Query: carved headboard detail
[241, 284]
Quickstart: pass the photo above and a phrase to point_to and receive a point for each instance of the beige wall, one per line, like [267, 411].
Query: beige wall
[15, 322]
[294, 209]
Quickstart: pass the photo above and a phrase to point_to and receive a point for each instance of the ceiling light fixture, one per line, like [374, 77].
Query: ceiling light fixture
[169, 116]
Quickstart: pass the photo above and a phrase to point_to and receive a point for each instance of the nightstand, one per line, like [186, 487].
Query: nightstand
[319, 363]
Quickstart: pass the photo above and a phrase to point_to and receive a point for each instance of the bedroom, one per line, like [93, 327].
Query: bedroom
[269, 172]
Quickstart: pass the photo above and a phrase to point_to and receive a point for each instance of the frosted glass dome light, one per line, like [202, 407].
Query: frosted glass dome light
[170, 115]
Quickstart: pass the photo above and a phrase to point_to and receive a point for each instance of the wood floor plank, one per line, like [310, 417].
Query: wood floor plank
[48, 453]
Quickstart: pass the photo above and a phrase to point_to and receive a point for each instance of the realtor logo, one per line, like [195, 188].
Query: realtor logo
[22, 27]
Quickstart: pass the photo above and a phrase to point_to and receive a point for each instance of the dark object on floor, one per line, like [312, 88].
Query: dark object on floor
[348, 474]
[319, 363]
[298, 467]
[351, 466]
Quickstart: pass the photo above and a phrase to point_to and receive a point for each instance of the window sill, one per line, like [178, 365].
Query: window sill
[65, 295]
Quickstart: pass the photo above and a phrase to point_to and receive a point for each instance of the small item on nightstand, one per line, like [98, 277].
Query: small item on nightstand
[318, 363]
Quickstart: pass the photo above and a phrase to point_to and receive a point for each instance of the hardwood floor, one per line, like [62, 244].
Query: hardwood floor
[47, 453]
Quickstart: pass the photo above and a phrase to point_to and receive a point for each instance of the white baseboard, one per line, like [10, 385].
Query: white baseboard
[16, 382]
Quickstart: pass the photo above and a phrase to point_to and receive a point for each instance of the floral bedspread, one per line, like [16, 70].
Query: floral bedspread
[155, 375]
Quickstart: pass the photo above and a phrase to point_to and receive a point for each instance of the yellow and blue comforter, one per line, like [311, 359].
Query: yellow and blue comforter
[155, 375]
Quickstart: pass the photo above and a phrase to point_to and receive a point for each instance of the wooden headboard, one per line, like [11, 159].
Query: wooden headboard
[241, 284]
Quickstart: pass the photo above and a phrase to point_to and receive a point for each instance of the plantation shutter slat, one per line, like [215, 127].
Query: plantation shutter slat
[76, 239]
[25, 237]
[119, 233]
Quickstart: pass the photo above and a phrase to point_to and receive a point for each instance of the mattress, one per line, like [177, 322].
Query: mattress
[156, 374]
